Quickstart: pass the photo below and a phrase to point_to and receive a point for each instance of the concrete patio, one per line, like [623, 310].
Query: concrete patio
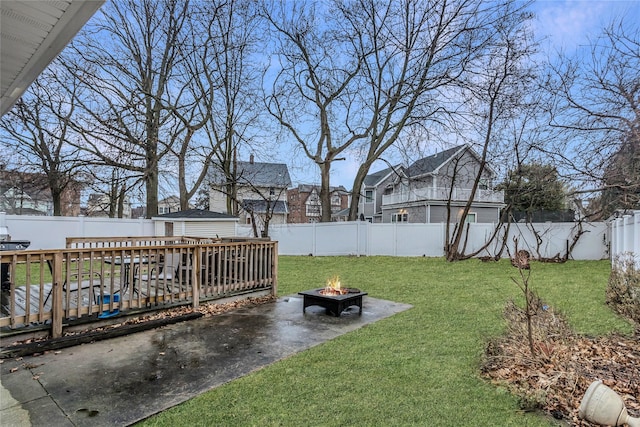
[138, 375]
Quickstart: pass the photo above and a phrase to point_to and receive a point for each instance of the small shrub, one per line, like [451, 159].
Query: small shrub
[623, 290]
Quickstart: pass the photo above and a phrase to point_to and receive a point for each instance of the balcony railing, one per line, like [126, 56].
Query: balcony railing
[443, 194]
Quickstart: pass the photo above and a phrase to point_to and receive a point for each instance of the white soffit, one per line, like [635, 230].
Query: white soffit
[33, 33]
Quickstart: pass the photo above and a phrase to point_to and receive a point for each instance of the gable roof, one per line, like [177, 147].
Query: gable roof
[430, 164]
[308, 188]
[375, 178]
[257, 174]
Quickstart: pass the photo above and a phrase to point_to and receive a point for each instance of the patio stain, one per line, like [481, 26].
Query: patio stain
[126, 379]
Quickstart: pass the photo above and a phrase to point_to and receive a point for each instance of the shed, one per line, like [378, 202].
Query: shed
[195, 222]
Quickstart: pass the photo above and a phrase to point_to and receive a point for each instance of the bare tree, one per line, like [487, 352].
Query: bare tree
[125, 65]
[352, 76]
[494, 97]
[236, 36]
[38, 131]
[111, 187]
[595, 104]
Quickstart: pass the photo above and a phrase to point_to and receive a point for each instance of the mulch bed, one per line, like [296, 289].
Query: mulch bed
[162, 318]
[563, 365]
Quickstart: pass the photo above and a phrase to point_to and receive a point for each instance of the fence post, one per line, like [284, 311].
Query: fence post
[195, 274]
[57, 311]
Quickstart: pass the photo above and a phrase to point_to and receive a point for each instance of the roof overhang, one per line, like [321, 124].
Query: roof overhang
[33, 33]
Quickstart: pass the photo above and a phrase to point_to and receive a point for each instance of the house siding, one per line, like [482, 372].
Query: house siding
[198, 228]
[428, 184]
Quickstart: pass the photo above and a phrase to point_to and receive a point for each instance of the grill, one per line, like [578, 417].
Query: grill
[10, 245]
[334, 304]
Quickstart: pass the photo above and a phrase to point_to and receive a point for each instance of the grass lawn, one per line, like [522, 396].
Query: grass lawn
[419, 367]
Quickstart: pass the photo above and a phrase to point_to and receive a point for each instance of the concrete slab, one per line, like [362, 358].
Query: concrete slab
[126, 379]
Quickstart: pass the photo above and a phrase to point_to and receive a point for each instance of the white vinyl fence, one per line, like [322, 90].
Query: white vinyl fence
[625, 238]
[363, 238]
[359, 237]
[50, 232]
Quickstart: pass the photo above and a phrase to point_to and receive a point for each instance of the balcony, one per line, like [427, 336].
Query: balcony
[442, 194]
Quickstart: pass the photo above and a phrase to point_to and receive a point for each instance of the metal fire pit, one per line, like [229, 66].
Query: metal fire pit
[334, 304]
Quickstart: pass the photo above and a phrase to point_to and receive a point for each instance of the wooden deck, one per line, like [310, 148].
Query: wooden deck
[142, 276]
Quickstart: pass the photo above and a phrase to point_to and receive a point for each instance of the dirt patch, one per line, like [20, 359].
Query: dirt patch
[563, 365]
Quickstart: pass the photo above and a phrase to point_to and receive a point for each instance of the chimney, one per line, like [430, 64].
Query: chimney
[251, 158]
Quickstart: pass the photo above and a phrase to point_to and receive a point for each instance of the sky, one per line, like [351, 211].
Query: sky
[564, 24]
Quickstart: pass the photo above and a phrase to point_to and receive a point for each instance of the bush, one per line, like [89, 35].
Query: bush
[623, 291]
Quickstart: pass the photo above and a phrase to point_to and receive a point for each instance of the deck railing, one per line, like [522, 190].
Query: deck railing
[53, 287]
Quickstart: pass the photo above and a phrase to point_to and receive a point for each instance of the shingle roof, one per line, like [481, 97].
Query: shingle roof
[260, 206]
[197, 214]
[258, 174]
[307, 188]
[430, 163]
[374, 178]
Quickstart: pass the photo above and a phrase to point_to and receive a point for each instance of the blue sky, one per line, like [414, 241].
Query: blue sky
[565, 25]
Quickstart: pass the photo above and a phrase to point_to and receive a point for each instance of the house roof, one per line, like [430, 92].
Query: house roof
[307, 188]
[260, 206]
[375, 178]
[197, 214]
[430, 164]
[257, 174]
[33, 33]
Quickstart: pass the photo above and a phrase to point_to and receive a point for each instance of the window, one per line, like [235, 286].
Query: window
[399, 217]
[368, 196]
[471, 217]
[312, 209]
[164, 210]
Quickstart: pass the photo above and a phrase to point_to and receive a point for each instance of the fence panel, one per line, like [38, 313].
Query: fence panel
[364, 238]
[625, 237]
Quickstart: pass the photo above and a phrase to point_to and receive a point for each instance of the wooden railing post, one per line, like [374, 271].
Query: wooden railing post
[274, 272]
[195, 274]
[57, 311]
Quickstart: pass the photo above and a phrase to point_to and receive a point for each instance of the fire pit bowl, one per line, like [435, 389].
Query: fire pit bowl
[334, 304]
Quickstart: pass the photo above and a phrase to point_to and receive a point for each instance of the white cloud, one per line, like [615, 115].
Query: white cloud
[569, 23]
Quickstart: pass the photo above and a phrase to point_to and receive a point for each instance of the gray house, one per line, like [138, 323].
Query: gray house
[261, 188]
[420, 192]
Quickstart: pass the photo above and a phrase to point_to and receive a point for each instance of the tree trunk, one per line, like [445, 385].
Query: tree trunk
[325, 192]
[358, 181]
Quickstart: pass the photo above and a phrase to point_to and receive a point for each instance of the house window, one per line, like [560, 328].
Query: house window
[272, 191]
[312, 209]
[399, 217]
[368, 196]
[164, 210]
[471, 217]
[248, 220]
